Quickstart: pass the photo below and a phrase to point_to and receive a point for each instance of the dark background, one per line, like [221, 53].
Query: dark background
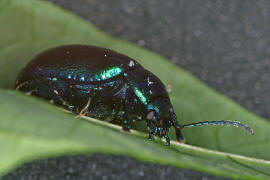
[223, 43]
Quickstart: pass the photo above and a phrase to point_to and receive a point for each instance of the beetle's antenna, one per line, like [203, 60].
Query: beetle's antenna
[220, 123]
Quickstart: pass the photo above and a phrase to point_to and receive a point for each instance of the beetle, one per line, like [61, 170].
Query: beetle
[106, 85]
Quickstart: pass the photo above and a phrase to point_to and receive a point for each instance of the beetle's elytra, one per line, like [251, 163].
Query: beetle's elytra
[106, 85]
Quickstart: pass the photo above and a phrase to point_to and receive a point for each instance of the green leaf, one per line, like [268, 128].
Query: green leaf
[41, 130]
[32, 129]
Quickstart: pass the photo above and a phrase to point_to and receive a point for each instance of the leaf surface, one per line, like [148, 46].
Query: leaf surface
[32, 129]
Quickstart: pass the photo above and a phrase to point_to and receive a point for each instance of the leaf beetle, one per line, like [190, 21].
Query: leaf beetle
[106, 85]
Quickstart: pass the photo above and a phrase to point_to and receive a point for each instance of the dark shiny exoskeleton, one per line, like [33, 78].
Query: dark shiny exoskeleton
[106, 85]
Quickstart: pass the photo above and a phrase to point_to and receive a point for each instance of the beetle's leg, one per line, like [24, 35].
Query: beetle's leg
[84, 110]
[58, 95]
[179, 136]
[45, 88]
[58, 88]
[178, 133]
[21, 85]
[76, 98]
[60, 99]
[151, 136]
[126, 125]
[24, 87]
[167, 138]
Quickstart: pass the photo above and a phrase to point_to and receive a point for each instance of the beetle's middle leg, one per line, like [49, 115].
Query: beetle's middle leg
[84, 110]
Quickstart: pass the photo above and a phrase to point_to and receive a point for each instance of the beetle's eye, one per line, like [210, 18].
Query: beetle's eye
[150, 115]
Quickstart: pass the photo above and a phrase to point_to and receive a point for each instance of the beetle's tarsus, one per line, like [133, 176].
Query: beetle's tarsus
[178, 133]
[167, 140]
[126, 127]
[150, 137]
[183, 141]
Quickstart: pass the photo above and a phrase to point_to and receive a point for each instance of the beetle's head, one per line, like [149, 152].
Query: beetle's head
[158, 115]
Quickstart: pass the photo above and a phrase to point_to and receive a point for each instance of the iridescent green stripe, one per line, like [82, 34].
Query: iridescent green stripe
[140, 95]
[83, 75]
[107, 74]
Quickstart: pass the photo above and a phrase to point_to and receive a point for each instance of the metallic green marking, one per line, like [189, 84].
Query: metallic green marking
[103, 75]
[108, 73]
[140, 95]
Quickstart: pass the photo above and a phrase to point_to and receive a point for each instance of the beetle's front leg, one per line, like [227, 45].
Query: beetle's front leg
[179, 136]
[178, 133]
[167, 138]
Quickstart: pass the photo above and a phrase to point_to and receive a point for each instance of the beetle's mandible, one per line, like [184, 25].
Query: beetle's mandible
[106, 85]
